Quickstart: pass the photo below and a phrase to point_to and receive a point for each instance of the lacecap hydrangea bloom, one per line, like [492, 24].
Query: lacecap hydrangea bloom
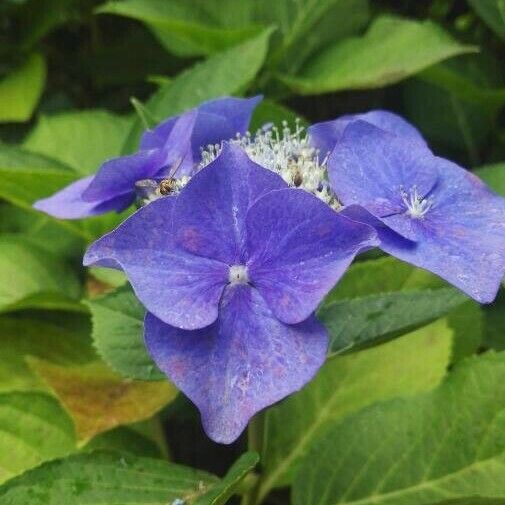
[231, 271]
[232, 261]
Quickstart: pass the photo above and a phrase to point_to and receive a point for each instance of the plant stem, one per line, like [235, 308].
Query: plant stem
[255, 439]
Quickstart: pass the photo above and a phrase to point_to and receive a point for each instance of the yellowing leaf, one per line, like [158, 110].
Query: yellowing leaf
[98, 399]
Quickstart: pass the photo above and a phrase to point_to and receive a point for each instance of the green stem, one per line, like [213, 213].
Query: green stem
[255, 440]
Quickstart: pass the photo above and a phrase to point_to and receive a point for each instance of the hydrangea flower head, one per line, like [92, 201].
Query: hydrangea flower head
[428, 211]
[231, 271]
[172, 147]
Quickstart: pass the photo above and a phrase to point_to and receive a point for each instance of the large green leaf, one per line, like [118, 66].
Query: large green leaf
[391, 50]
[442, 445]
[33, 429]
[22, 336]
[225, 73]
[107, 479]
[82, 140]
[118, 333]
[413, 363]
[34, 277]
[98, 399]
[203, 27]
[186, 28]
[379, 299]
[20, 91]
[372, 319]
[492, 12]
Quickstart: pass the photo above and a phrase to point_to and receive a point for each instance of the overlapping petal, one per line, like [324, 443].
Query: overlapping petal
[461, 237]
[299, 248]
[217, 120]
[179, 288]
[211, 211]
[241, 364]
[325, 135]
[378, 170]
[68, 203]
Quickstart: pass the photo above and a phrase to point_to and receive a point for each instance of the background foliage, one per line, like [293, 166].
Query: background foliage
[410, 406]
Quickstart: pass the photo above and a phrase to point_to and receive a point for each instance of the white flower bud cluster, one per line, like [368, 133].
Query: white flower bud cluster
[287, 153]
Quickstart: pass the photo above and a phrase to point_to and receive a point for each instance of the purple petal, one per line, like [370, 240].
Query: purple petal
[68, 203]
[375, 169]
[210, 211]
[299, 249]
[179, 288]
[243, 363]
[466, 250]
[325, 135]
[217, 120]
[119, 175]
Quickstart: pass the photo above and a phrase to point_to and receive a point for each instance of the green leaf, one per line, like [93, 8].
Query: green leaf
[308, 27]
[467, 323]
[20, 91]
[32, 277]
[124, 439]
[33, 429]
[411, 364]
[22, 337]
[184, 28]
[98, 399]
[444, 445]
[26, 177]
[375, 293]
[391, 50]
[494, 176]
[82, 140]
[448, 120]
[493, 14]
[108, 479]
[456, 77]
[225, 73]
[494, 323]
[221, 492]
[456, 103]
[366, 321]
[41, 230]
[118, 334]
[269, 111]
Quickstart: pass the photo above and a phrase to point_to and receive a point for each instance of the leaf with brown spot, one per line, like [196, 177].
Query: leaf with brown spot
[98, 399]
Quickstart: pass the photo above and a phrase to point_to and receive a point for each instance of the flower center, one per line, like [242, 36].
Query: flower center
[237, 274]
[417, 206]
[287, 153]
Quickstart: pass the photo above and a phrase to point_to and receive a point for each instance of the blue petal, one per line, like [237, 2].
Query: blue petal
[375, 169]
[217, 120]
[467, 250]
[179, 288]
[325, 135]
[299, 248]
[209, 218]
[119, 175]
[69, 204]
[243, 363]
